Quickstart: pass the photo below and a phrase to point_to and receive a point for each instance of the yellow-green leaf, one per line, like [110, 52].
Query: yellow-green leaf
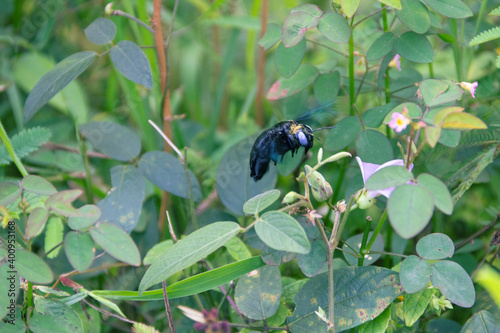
[392, 3]
[464, 121]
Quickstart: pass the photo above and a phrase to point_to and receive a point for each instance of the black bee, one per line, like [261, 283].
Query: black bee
[275, 142]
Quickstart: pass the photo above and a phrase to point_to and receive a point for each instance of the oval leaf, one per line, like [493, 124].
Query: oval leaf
[463, 121]
[55, 80]
[258, 293]
[188, 251]
[344, 132]
[361, 294]
[167, 172]
[390, 176]
[88, 215]
[414, 47]
[57, 317]
[295, 26]
[313, 262]
[349, 7]
[481, 322]
[414, 274]
[32, 268]
[36, 222]
[308, 8]
[285, 87]
[410, 209]
[9, 192]
[450, 8]
[435, 247]
[122, 205]
[374, 117]
[115, 241]
[233, 182]
[80, 250]
[440, 192]
[38, 185]
[381, 46]
[101, 31]
[271, 37]
[437, 92]
[282, 232]
[335, 27]
[414, 15]
[261, 202]
[454, 282]
[129, 59]
[373, 147]
[288, 60]
[326, 87]
[114, 140]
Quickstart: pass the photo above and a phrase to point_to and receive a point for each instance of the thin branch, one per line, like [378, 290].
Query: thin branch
[133, 18]
[107, 313]
[164, 136]
[57, 146]
[167, 308]
[328, 47]
[477, 233]
[171, 229]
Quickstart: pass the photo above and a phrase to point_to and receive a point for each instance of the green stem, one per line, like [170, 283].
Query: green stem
[352, 92]
[456, 50]
[363, 242]
[340, 180]
[190, 190]
[431, 70]
[88, 179]
[379, 226]
[8, 145]
[384, 18]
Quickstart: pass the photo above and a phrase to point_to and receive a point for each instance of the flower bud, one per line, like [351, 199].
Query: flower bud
[320, 188]
[108, 10]
[363, 201]
[290, 197]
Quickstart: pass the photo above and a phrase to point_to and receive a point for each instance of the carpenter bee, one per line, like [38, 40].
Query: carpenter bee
[275, 142]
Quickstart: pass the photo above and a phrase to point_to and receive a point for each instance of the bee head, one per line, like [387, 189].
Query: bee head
[304, 134]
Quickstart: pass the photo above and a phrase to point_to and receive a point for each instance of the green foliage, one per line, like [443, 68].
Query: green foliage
[25, 142]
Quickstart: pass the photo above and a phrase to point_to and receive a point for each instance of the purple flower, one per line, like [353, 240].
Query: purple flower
[368, 169]
[395, 62]
[470, 87]
[398, 122]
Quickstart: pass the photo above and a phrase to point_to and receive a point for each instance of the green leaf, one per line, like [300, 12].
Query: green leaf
[481, 322]
[313, 262]
[285, 87]
[435, 246]
[463, 121]
[326, 87]
[288, 59]
[271, 37]
[157, 251]
[378, 324]
[36, 222]
[79, 248]
[361, 294]
[354, 242]
[410, 209]
[414, 47]
[132, 63]
[449, 8]
[392, 3]
[415, 304]
[9, 193]
[55, 80]
[349, 7]
[414, 274]
[390, 176]
[449, 138]
[260, 202]
[191, 285]
[188, 251]
[374, 117]
[38, 185]
[122, 206]
[308, 8]
[58, 317]
[32, 268]
[88, 215]
[24, 143]
[381, 46]
[101, 31]
[373, 147]
[295, 26]
[258, 293]
[60, 202]
[454, 282]
[335, 27]
[495, 11]
[108, 303]
[414, 15]
[274, 257]
[343, 134]
[233, 182]
[115, 241]
[167, 172]
[441, 194]
[53, 237]
[282, 232]
[437, 92]
[465, 177]
[114, 140]
[237, 249]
